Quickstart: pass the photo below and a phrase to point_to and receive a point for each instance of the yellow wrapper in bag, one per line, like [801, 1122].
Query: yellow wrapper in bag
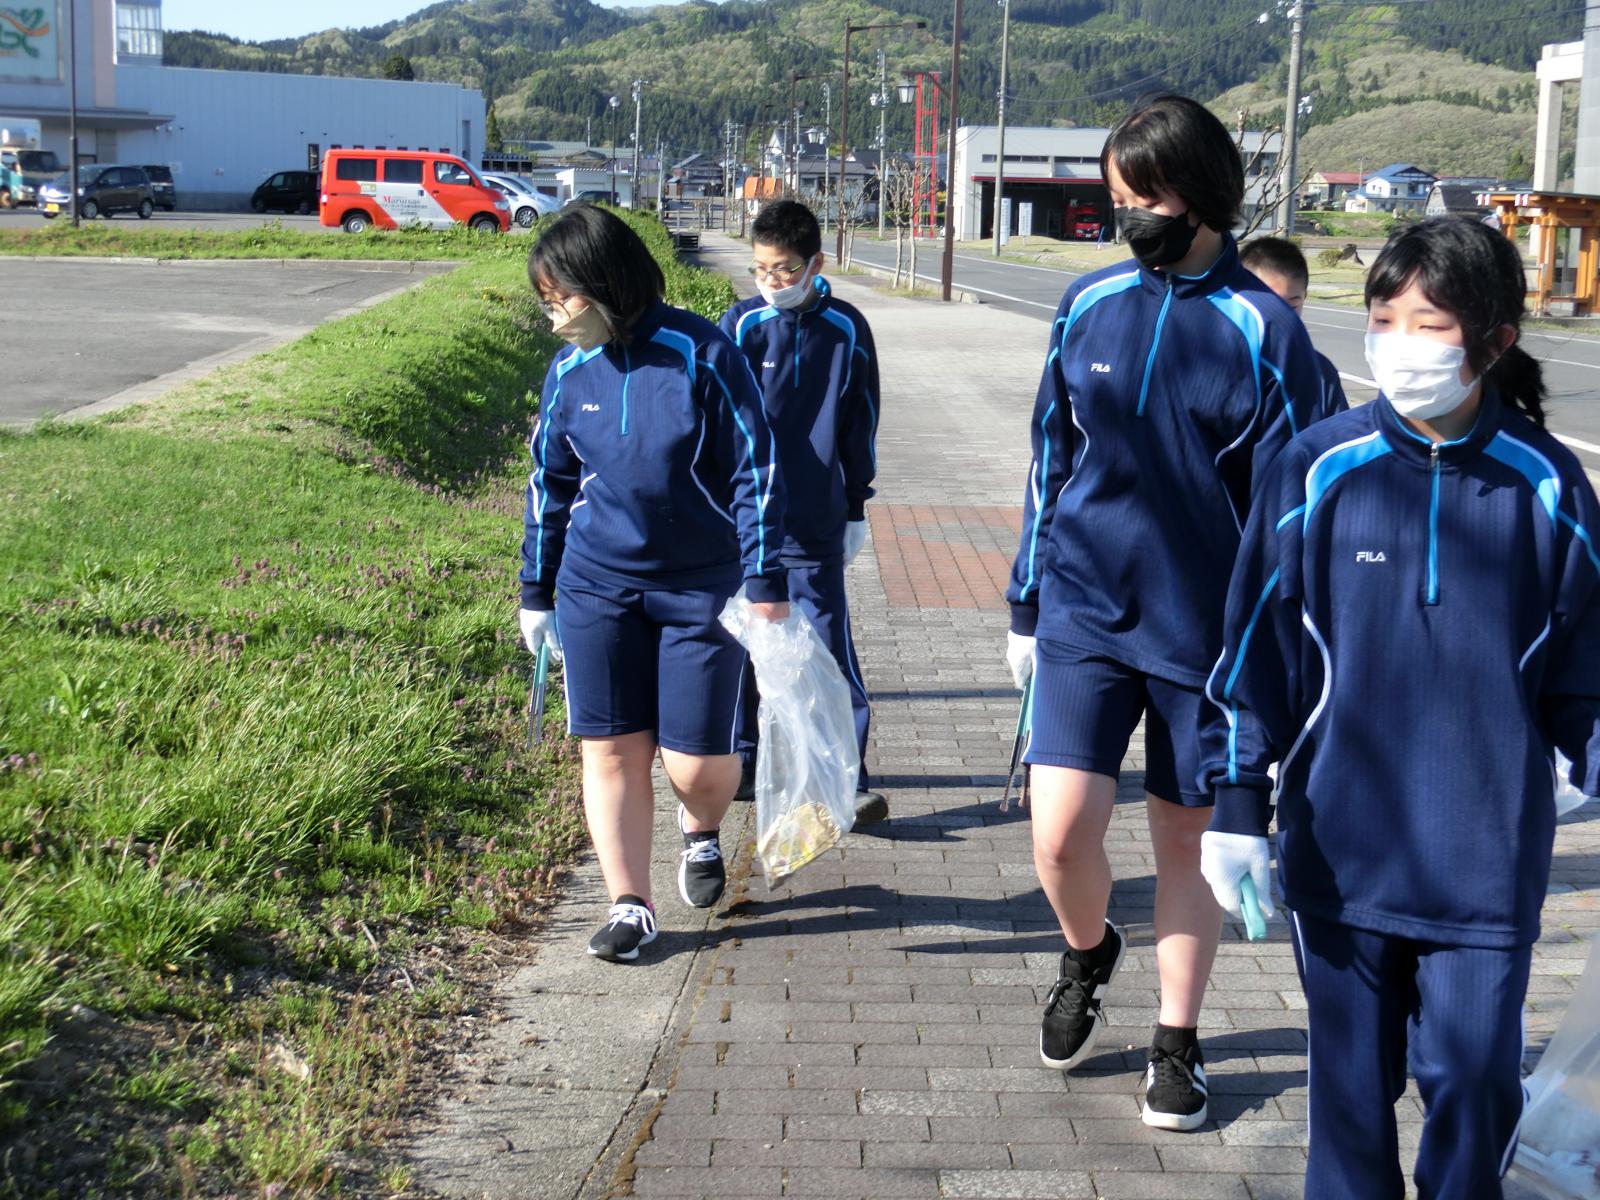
[798, 836]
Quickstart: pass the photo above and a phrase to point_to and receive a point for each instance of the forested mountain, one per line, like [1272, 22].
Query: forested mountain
[551, 65]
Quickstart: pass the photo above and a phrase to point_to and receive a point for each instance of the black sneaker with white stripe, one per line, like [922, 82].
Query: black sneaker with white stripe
[1072, 1015]
[701, 872]
[628, 926]
[1175, 1082]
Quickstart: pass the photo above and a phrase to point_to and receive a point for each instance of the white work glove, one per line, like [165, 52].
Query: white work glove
[1019, 657]
[855, 537]
[1226, 858]
[540, 627]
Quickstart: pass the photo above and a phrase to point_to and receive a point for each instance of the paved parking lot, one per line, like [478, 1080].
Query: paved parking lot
[90, 333]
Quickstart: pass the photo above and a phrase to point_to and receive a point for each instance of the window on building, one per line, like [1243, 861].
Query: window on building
[138, 30]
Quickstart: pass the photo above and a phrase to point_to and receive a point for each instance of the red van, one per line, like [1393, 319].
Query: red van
[390, 188]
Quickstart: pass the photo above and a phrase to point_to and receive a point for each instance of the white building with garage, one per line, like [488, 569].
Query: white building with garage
[1051, 180]
[221, 132]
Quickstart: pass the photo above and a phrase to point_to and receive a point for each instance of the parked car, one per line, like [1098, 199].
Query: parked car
[162, 190]
[527, 205]
[390, 188]
[287, 191]
[103, 189]
[594, 196]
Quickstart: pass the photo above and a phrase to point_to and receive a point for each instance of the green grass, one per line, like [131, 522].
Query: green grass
[261, 747]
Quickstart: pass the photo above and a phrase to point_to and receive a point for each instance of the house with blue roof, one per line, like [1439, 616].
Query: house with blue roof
[1397, 186]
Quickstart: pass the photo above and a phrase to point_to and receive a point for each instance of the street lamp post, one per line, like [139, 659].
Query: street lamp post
[1000, 150]
[844, 115]
[614, 103]
[947, 269]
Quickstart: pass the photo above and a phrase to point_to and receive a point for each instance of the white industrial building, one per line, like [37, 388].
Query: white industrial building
[1052, 179]
[222, 132]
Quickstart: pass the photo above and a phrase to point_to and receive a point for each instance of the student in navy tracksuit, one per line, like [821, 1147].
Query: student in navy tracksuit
[1279, 264]
[814, 358]
[654, 494]
[1171, 383]
[1413, 628]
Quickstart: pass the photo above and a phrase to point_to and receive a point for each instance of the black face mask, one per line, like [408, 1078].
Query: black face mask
[1156, 241]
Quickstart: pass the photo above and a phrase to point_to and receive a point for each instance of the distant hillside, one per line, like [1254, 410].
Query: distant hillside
[551, 65]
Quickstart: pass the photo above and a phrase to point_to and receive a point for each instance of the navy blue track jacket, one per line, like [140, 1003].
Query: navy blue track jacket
[653, 467]
[818, 372]
[1332, 386]
[1163, 398]
[1410, 630]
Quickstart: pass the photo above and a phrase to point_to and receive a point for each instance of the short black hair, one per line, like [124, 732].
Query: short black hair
[1275, 254]
[1475, 274]
[592, 253]
[790, 225]
[1175, 144]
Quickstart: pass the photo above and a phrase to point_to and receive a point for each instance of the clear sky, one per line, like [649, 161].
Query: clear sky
[295, 18]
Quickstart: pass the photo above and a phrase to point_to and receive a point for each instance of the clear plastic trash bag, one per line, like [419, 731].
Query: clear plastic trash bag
[1560, 1132]
[808, 763]
[1567, 796]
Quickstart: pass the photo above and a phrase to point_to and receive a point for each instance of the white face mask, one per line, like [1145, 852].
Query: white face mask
[792, 296]
[1421, 377]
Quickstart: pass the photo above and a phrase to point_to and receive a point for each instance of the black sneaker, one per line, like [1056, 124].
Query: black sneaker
[627, 927]
[701, 872]
[1175, 1083]
[747, 781]
[1072, 1015]
[871, 807]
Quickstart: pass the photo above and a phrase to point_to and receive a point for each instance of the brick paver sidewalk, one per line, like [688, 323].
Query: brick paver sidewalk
[870, 1029]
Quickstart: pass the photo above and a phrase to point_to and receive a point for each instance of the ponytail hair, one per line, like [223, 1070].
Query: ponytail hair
[1475, 274]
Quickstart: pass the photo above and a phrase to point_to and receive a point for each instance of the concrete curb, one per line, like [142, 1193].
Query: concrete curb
[386, 265]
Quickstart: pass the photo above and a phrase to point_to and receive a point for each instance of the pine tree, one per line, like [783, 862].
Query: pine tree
[493, 143]
[398, 66]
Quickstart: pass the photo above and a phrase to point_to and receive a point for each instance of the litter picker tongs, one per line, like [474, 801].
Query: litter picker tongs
[541, 674]
[1024, 731]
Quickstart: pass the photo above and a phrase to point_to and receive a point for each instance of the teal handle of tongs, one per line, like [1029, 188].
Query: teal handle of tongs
[1255, 925]
[541, 667]
[1025, 713]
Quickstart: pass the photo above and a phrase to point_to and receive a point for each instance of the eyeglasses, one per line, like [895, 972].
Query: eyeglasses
[554, 310]
[785, 273]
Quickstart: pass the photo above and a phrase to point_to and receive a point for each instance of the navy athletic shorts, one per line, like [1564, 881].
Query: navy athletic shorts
[639, 660]
[1086, 707]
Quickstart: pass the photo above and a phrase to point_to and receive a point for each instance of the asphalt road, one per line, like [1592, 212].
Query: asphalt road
[87, 333]
[1571, 360]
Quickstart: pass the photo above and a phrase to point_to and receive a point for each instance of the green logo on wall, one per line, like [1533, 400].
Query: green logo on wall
[22, 29]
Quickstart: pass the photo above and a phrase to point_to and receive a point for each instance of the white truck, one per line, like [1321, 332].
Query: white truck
[24, 166]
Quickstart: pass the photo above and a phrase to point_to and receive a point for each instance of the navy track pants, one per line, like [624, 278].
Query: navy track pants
[1374, 1001]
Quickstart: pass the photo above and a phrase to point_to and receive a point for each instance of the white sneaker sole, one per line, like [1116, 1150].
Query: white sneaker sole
[1083, 1051]
[1176, 1122]
[629, 956]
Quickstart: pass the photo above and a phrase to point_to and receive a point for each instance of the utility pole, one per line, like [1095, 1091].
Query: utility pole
[827, 148]
[1291, 119]
[661, 175]
[1000, 151]
[883, 141]
[947, 268]
[72, 86]
[796, 159]
[638, 121]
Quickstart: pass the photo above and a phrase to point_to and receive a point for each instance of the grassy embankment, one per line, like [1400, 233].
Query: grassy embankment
[263, 787]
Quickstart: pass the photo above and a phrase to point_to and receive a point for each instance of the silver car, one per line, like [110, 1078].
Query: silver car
[527, 205]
